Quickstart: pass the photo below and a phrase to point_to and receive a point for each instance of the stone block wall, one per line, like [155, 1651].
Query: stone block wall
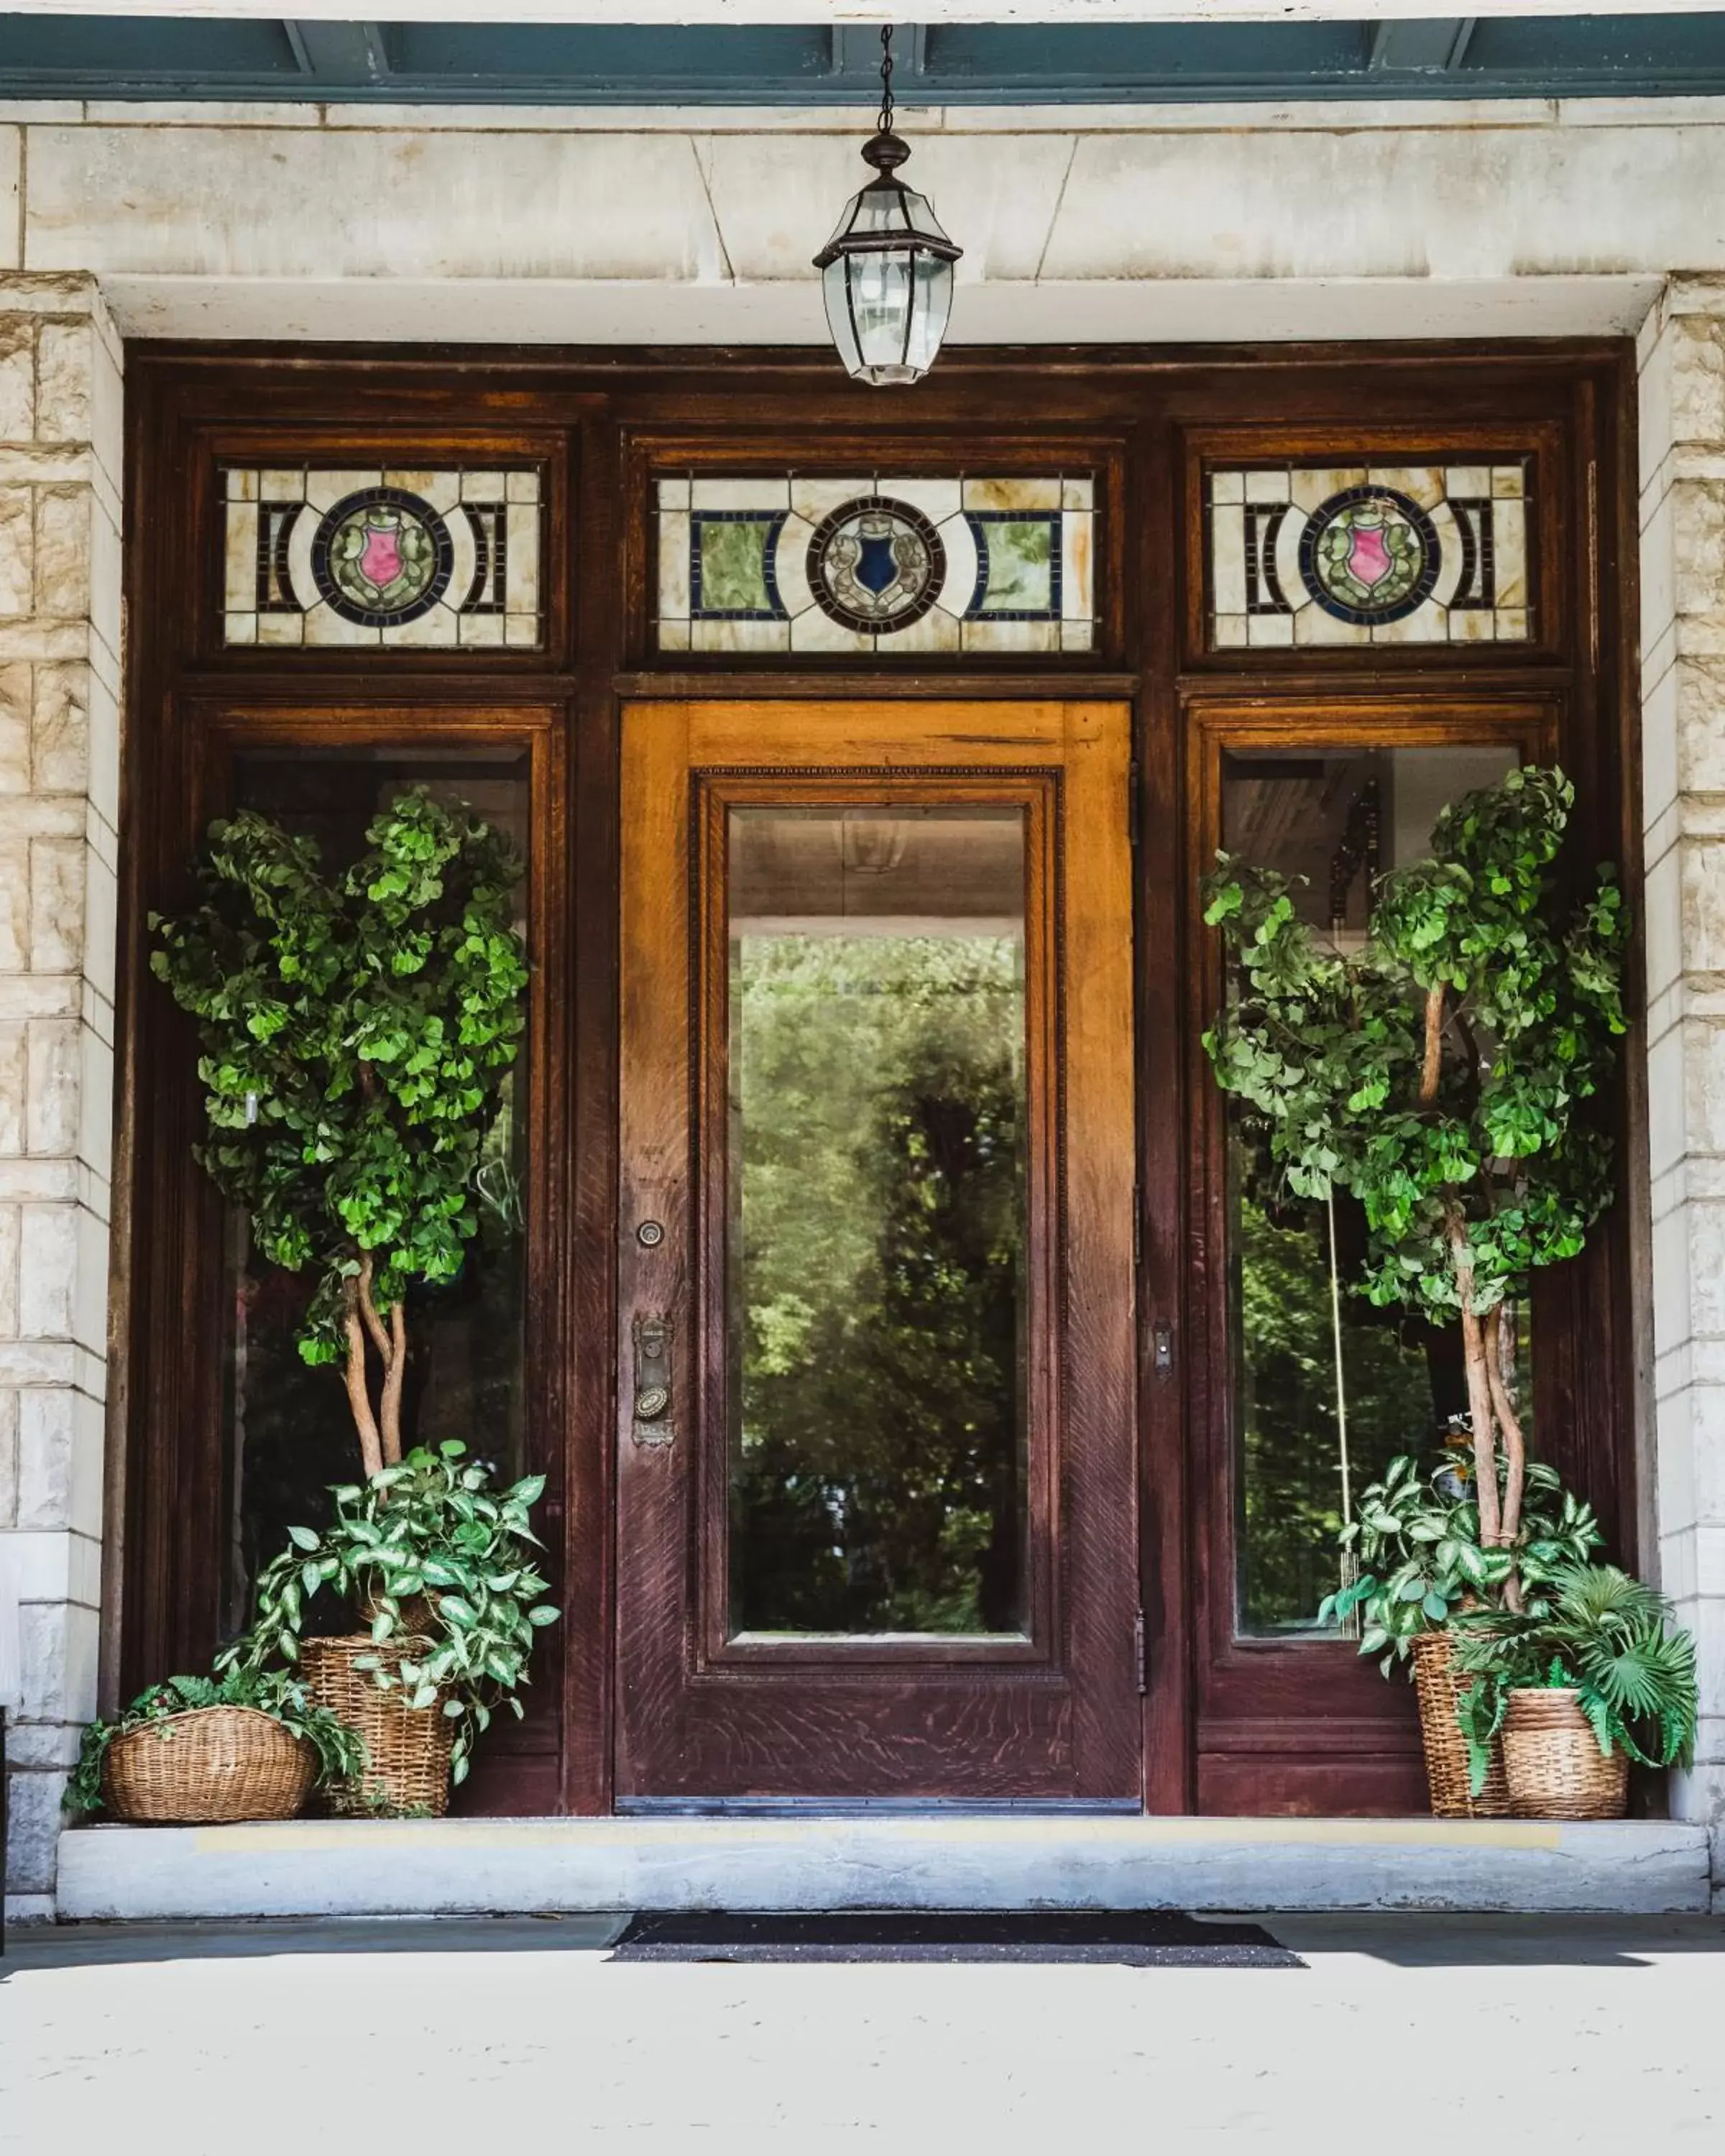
[1682, 398]
[60, 462]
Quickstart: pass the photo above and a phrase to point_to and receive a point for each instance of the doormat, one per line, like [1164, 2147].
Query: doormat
[1132, 1939]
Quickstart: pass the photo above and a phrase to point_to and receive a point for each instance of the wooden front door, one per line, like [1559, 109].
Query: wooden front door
[877, 1512]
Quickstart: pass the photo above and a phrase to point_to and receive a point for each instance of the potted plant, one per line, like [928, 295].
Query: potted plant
[247, 1744]
[1417, 1538]
[445, 1565]
[1595, 1677]
[1439, 1074]
[357, 1030]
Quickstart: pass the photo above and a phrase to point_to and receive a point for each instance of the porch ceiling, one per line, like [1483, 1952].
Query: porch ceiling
[1079, 51]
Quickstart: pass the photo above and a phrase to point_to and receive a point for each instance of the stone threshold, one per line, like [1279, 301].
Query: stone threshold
[439, 1867]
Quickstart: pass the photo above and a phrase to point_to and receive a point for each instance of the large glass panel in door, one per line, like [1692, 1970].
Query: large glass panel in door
[876, 1234]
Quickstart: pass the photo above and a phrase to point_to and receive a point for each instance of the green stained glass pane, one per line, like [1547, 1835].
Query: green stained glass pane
[1021, 566]
[733, 565]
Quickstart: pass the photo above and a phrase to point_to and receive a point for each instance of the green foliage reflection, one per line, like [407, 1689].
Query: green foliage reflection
[877, 1252]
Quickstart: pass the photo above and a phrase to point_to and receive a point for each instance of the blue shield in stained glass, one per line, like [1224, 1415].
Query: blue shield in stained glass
[877, 568]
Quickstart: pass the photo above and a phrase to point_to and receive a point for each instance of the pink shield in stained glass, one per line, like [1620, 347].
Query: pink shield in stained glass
[380, 562]
[1369, 556]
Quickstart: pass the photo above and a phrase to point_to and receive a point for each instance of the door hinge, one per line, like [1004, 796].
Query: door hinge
[1140, 1652]
[1137, 1225]
[1131, 802]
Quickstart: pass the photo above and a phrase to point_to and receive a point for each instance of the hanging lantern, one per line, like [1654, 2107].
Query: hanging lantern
[886, 273]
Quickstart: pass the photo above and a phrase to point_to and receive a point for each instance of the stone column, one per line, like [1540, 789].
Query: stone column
[1682, 397]
[61, 463]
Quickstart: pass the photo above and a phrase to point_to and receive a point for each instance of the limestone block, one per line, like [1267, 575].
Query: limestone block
[47, 1276]
[18, 379]
[65, 373]
[1706, 1223]
[14, 1080]
[59, 1641]
[95, 1119]
[57, 879]
[11, 1248]
[63, 542]
[102, 747]
[1702, 874]
[1704, 1085]
[1662, 917]
[16, 698]
[1698, 509]
[33, 1826]
[44, 1457]
[1667, 1135]
[1701, 725]
[59, 730]
[8, 1460]
[14, 905]
[51, 1119]
[1697, 379]
[101, 903]
[17, 552]
[47, 1744]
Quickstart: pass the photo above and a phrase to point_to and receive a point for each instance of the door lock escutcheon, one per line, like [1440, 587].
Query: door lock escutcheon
[652, 1423]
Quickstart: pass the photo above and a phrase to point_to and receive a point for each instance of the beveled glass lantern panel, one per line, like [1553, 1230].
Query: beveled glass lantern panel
[888, 312]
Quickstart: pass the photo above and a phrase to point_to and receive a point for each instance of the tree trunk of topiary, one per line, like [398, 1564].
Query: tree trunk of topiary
[1485, 1345]
[379, 1429]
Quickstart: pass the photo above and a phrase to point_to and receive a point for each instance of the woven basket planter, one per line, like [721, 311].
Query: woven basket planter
[1555, 1766]
[206, 1767]
[407, 1748]
[1438, 1685]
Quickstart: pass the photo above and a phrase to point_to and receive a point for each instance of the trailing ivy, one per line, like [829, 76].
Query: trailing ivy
[356, 1033]
[1440, 1074]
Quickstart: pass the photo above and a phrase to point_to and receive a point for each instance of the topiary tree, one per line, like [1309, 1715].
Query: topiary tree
[356, 1033]
[1437, 1074]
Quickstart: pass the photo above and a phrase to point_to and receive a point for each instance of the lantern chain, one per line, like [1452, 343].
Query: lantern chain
[886, 114]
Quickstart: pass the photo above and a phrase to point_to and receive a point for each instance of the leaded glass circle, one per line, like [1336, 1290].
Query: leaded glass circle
[382, 556]
[1369, 554]
[876, 565]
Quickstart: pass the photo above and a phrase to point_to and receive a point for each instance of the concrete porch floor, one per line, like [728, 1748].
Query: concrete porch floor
[1568, 2033]
[447, 1867]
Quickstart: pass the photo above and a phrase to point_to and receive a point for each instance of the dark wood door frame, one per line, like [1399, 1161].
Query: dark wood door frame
[1054, 1716]
[603, 423]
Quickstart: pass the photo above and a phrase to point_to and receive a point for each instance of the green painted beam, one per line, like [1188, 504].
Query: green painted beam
[74, 56]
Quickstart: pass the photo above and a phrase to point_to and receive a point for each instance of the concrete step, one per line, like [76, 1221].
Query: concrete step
[433, 1867]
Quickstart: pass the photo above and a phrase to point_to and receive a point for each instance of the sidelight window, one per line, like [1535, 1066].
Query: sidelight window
[1327, 1390]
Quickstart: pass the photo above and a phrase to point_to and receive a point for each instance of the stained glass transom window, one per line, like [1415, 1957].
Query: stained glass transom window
[1368, 554]
[317, 556]
[876, 563]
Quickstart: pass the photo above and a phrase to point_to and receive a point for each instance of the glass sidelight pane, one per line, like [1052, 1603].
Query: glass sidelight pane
[877, 1220]
[289, 1432]
[1332, 820]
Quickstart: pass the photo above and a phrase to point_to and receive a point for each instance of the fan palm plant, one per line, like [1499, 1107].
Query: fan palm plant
[1603, 1635]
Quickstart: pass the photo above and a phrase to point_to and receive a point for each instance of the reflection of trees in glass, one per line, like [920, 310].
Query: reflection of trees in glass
[1403, 1382]
[877, 1277]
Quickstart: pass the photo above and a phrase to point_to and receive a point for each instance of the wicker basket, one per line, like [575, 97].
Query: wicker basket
[206, 1766]
[1555, 1768]
[408, 1747]
[1438, 1685]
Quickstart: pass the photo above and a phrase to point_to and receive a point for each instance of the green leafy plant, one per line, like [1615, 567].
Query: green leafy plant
[1601, 1633]
[429, 1548]
[1417, 1537]
[1437, 1074]
[276, 1692]
[356, 1032]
